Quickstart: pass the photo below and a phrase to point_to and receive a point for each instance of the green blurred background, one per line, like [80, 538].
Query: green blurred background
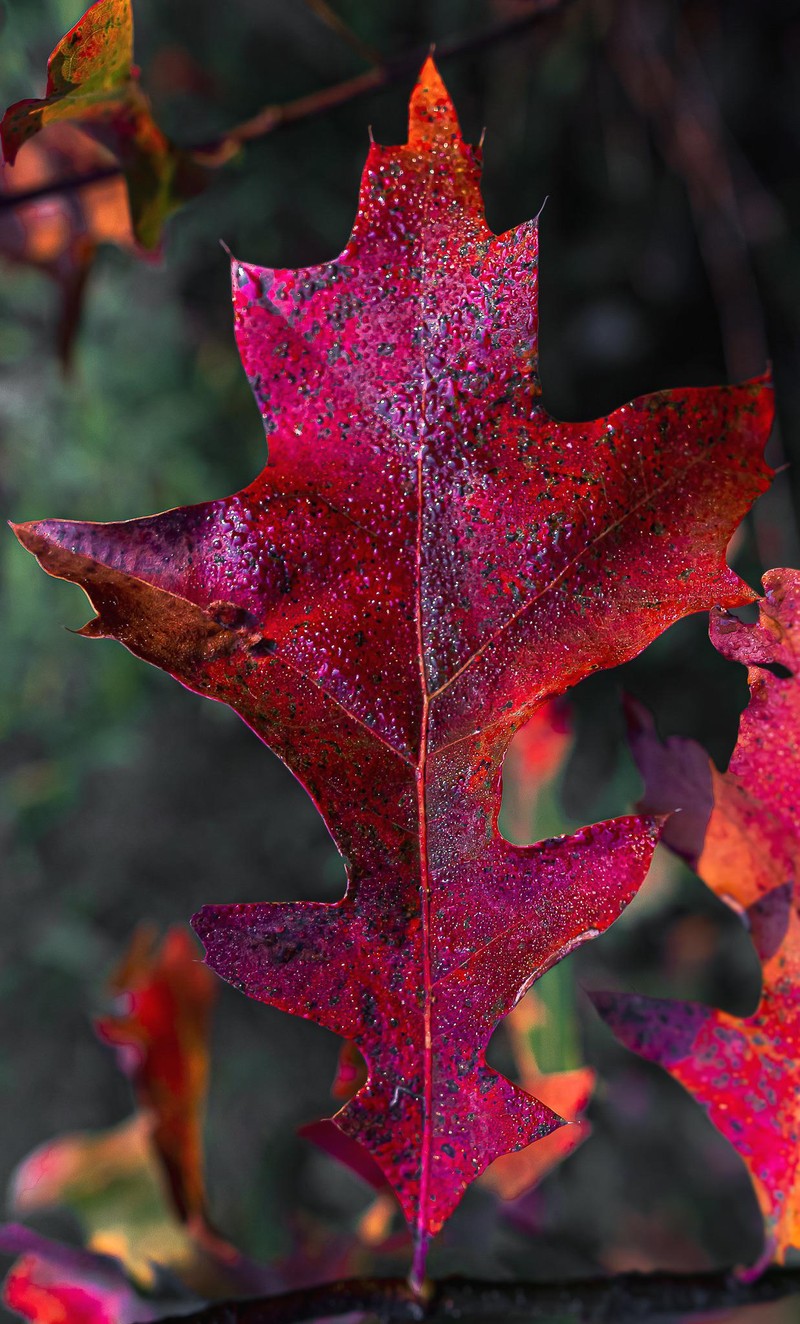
[665, 137]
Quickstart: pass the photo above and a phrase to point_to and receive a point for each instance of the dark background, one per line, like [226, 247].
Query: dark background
[666, 138]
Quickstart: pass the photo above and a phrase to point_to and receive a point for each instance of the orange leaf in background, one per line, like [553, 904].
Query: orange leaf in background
[741, 830]
[566, 1092]
[535, 757]
[161, 1034]
[91, 78]
[59, 233]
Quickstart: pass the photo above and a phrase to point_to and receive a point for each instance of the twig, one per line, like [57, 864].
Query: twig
[689, 128]
[620, 1300]
[274, 117]
[65, 185]
[329, 16]
[676, 98]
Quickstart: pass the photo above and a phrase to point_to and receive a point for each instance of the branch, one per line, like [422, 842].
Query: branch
[65, 185]
[618, 1300]
[327, 15]
[688, 125]
[270, 118]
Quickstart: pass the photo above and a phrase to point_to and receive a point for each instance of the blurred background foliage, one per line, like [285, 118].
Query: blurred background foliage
[665, 137]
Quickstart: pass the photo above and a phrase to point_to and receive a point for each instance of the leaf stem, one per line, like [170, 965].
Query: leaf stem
[328, 15]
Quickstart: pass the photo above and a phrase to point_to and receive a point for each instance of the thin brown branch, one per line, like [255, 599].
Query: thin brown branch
[390, 72]
[689, 129]
[65, 185]
[280, 116]
[732, 212]
[620, 1300]
[328, 15]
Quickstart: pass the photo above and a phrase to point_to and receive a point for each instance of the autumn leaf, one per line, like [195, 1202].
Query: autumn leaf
[534, 759]
[426, 558]
[137, 1189]
[566, 1092]
[59, 233]
[532, 763]
[91, 79]
[50, 1283]
[739, 829]
[161, 1035]
[112, 1182]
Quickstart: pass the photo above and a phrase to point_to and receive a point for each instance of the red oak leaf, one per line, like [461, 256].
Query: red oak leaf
[534, 758]
[91, 78]
[426, 557]
[742, 834]
[567, 1093]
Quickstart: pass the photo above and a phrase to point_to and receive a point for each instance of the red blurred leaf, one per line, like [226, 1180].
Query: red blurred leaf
[426, 558]
[345, 1150]
[59, 233]
[535, 757]
[374, 1226]
[744, 843]
[161, 1035]
[55, 1284]
[537, 751]
[137, 1189]
[678, 777]
[91, 78]
[351, 1072]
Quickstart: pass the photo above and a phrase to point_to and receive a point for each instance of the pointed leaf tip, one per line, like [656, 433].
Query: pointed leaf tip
[432, 118]
[28, 535]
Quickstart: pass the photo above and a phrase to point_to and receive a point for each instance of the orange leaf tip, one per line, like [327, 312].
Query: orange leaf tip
[432, 118]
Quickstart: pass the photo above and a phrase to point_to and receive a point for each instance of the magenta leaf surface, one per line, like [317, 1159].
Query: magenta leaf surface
[426, 557]
[740, 833]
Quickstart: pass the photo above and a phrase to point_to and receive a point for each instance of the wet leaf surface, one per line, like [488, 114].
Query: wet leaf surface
[426, 557]
[739, 830]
